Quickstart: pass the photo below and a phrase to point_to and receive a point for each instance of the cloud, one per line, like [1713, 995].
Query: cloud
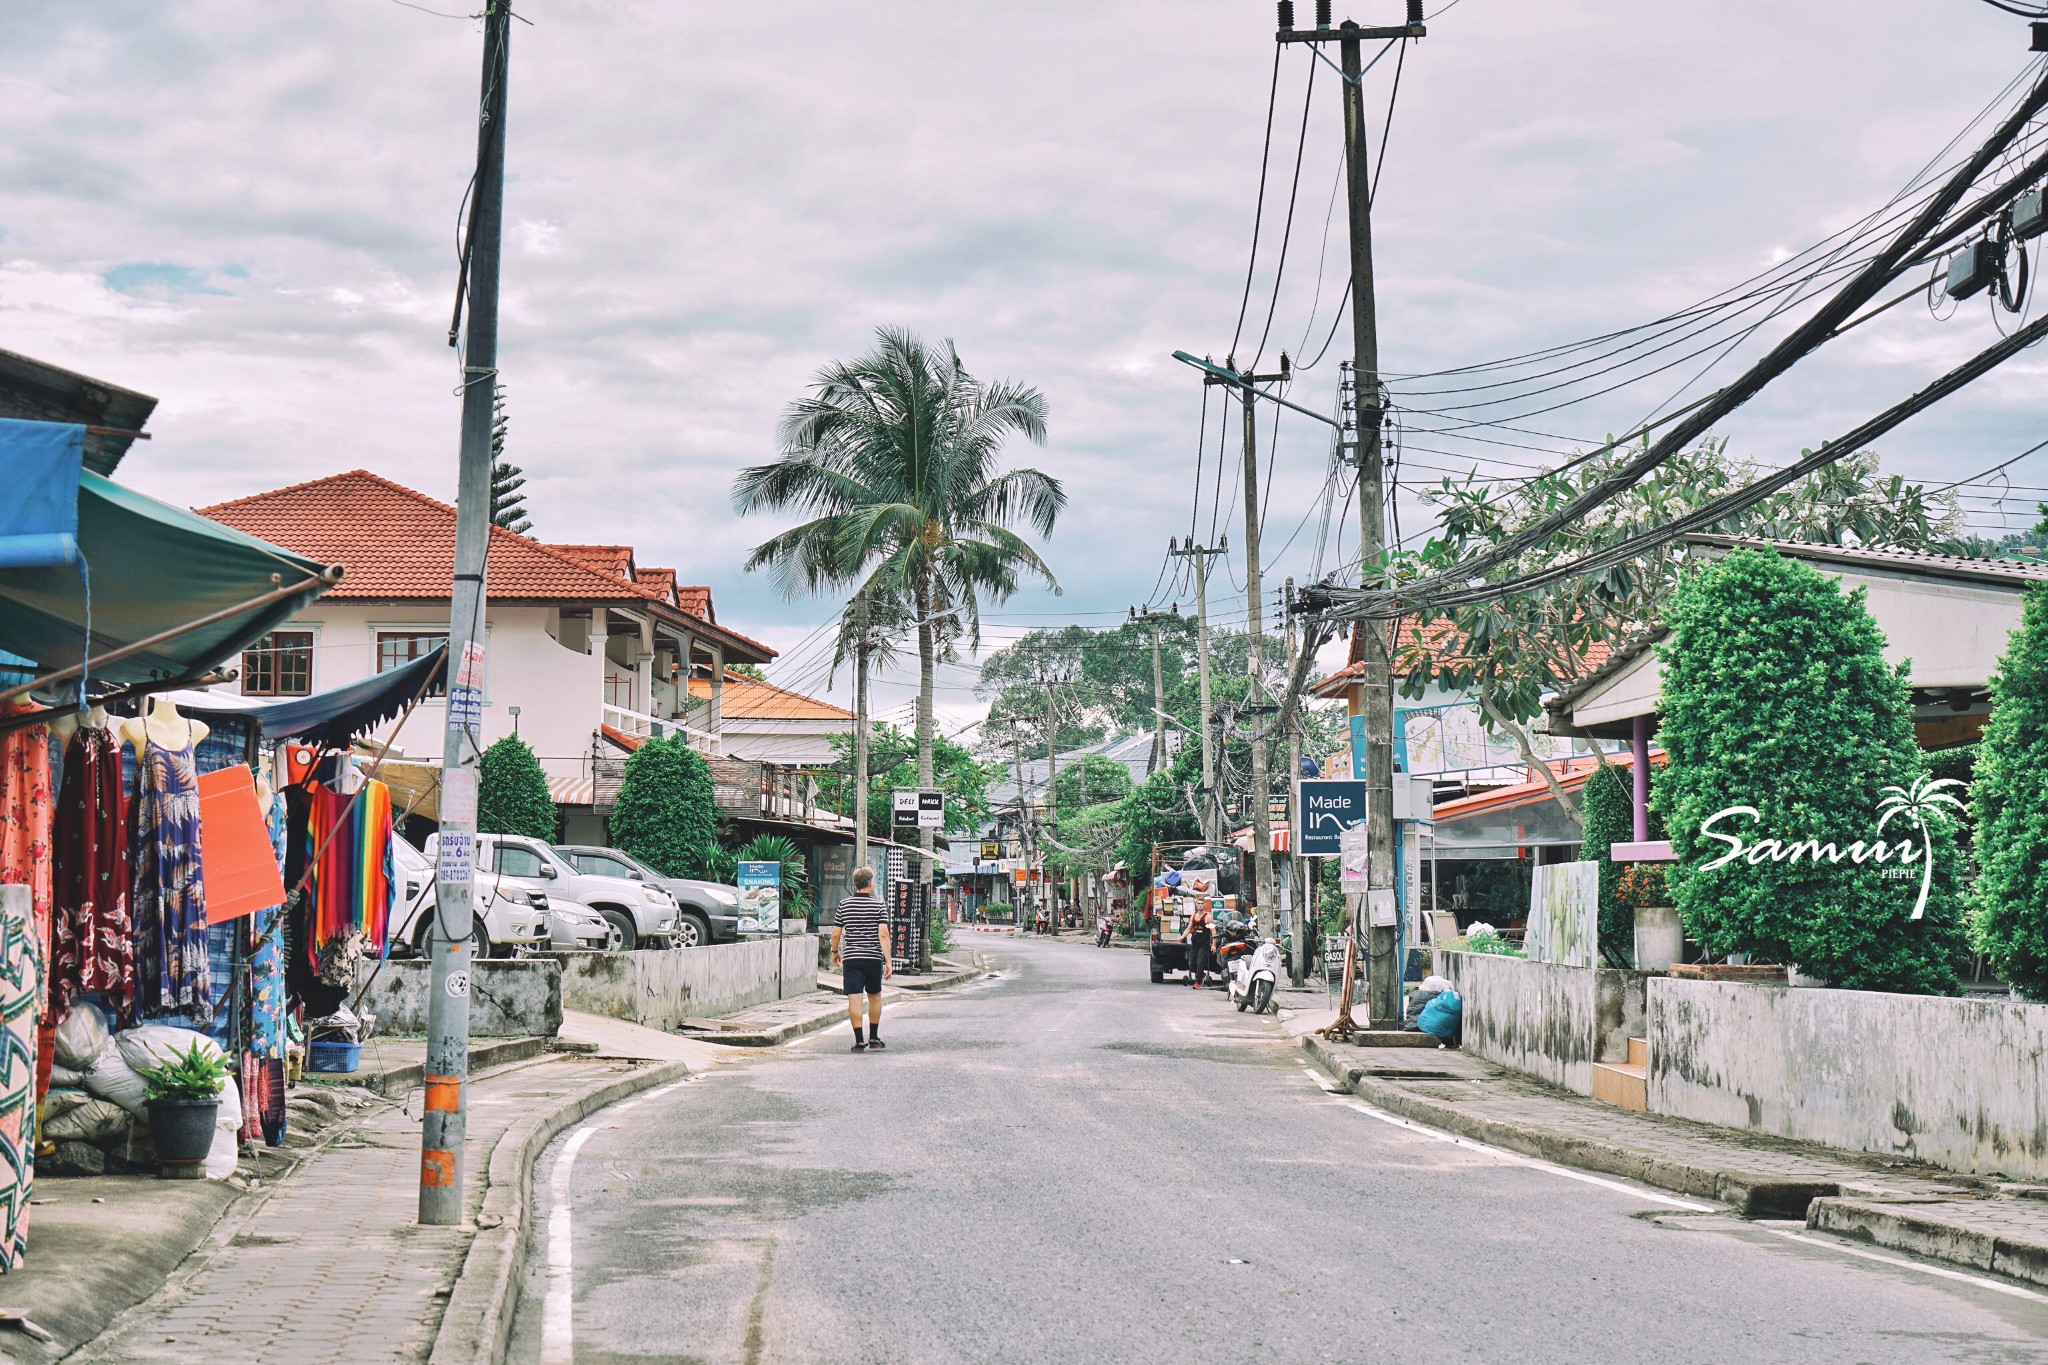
[251, 211]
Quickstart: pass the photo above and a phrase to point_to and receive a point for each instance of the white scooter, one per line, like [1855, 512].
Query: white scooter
[1253, 977]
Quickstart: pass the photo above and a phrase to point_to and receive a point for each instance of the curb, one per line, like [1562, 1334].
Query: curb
[782, 1033]
[940, 983]
[400, 1079]
[1753, 1193]
[1917, 1228]
[476, 1327]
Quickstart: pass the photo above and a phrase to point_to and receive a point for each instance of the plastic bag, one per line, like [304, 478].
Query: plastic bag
[111, 1078]
[64, 1078]
[96, 1121]
[227, 1134]
[1443, 1016]
[81, 1036]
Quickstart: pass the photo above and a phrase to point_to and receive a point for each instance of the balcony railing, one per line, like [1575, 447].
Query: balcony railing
[642, 726]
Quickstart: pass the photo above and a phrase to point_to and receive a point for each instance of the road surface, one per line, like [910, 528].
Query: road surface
[1068, 1164]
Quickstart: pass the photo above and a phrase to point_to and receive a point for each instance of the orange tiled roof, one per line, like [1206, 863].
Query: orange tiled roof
[614, 561]
[1440, 640]
[751, 699]
[399, 545]
[697, 602]
[659, 583]
[1572, 774]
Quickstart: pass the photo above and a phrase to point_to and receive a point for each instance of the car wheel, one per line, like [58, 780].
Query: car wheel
[692, 931]
[479, 939]
[624, 938]
[613, 939]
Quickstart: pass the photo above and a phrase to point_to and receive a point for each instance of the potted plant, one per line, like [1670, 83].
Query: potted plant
[183, 1099]
[1660, 938]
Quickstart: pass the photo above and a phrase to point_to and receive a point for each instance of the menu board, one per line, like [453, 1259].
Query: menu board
[910, 908]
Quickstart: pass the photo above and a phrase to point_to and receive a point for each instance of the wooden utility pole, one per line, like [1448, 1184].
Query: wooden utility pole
[862, 645]
[1153, 618]
[1375, 685]
[1201, 555]
[445, 1123]
[1301, 911]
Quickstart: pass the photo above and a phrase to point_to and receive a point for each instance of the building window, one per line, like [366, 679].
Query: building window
[396, 648]
[279, 665]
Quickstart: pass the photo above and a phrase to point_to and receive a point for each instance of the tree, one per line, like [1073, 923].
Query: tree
[1089, 782]
[508, 504]
[512, 792]
[2010, 801]
[895, 453]
[1159, 810]
[667, 810]
[892, 766]
[1510, 653]
[1777, 698]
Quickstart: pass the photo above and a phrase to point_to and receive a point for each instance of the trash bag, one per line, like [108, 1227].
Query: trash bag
[111, 1078]
[1443, 1017]
[116, 1073]
[64, 1078]
[95, 1121]
[80, 1036]
[227, 1134]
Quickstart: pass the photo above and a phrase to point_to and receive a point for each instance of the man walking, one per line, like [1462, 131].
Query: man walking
[860, 949]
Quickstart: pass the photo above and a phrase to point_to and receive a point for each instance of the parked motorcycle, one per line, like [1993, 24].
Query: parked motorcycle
[1102, 934]
[1254, 975]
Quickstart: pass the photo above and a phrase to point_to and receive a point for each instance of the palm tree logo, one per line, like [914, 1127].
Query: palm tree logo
[1923, 799]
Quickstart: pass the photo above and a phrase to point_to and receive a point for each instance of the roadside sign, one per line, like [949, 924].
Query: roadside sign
[991, 848]
[760, 874]
[1354, 860]
[1328, 808]
[917, 810]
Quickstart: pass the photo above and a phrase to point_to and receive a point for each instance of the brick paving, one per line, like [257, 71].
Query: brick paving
[332, 1265]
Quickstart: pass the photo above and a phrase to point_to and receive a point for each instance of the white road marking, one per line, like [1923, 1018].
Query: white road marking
[557, 1328]
[1939, 1272]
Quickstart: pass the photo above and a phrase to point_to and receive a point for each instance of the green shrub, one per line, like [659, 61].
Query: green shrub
[512, 792]
[667, 811]
[1776, 696]
[196, 1073]
[2010, 802]
[1609, 816]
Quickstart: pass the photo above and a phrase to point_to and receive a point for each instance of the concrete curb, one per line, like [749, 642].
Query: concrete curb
[781, 1033]
[476, 1327]
[1919, 1227]
[399, 1079]
[940, 983]
[1753, 1193]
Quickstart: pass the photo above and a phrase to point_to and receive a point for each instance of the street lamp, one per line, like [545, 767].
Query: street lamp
[513, 711]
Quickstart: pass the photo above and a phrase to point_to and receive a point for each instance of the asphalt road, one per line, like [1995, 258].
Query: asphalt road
[1071, 1164]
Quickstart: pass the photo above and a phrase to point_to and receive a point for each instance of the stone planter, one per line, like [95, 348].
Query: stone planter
[181, 1130]
[1660, 938]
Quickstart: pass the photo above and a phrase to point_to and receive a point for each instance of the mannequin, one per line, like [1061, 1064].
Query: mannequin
[69, 724]
[164, 726]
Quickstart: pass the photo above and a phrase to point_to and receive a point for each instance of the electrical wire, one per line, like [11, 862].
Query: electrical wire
[1287, 230]
[1259, 211]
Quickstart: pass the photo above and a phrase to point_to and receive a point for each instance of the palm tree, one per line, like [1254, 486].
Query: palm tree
[1926, 796]
[894, 457]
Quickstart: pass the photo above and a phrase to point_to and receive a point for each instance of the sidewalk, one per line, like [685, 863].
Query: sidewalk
[1972, 1221]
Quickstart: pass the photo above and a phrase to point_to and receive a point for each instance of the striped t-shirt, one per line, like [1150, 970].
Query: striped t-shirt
[861, 917]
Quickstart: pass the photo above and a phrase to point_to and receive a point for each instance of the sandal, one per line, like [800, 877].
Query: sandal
[859, 1047]
[877, 1044]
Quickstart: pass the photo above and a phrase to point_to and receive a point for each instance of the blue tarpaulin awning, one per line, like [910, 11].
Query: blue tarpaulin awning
[331, 718]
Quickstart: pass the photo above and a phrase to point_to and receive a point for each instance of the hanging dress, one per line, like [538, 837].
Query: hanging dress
[263, 1063]
[25, 1030]
[92, 938]
[169, 897]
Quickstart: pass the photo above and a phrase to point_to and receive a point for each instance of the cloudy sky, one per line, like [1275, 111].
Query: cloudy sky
[249, 210]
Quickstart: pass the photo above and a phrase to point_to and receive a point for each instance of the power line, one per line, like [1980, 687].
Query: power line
[1259, 212]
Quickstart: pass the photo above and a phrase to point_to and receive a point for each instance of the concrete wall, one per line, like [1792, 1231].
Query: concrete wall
[1957, 1083]
[1550, 1021]
[520, 998]
[660, 987]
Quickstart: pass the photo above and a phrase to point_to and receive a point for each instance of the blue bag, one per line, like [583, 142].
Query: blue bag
[1443, 1017]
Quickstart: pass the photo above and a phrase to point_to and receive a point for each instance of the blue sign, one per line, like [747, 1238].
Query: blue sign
[760, 874]
[1358, 747]
[1328, 808]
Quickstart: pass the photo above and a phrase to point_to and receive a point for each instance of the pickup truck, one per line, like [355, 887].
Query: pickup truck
[643, 913]
[507, 918]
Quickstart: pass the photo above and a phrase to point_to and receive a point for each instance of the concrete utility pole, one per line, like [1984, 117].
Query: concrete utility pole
[1052, 775]
[446, 1122]
[1024, 839]
[1201, 555]
[1298, 966]
[1376, 686]
[862, 644]
[1256, 705]
[1153, 618]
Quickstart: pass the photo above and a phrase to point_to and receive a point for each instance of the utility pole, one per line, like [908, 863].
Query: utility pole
[1052, 775]
[1376, 687]
[1298, 966]
[862, 644]
[1153, 618]
[1256, 706]
[444, 1130]
[1201, 555]
[1024, 840]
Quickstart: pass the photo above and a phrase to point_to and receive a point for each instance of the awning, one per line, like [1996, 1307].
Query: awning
[154, 569]
[336, 716]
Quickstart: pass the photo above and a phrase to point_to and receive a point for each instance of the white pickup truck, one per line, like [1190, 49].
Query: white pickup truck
[507, 917]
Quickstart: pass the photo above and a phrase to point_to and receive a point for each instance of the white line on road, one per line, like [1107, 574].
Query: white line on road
[557, 1330]
[1939, 1272]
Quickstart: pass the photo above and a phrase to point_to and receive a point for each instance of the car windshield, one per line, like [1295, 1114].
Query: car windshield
[603, 864]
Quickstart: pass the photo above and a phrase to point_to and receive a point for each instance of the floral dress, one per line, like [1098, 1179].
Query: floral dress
[263, 1086]
[169, 898]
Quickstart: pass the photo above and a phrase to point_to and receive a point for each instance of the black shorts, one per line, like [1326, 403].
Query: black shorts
[863, 976]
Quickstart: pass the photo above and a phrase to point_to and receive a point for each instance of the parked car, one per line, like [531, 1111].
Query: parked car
[707, 912]
[507, 918]
[640, 911]
[578, 926]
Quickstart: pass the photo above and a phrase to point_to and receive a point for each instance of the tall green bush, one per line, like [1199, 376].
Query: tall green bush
[1609, 815]
[667, 811]
[2010, 802]
[1777, 696]
[512, 792]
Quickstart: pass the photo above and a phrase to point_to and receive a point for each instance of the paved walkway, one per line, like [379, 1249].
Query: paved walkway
[332, 1266]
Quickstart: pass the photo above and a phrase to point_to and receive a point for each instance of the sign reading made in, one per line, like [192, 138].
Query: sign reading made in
[1328, 808]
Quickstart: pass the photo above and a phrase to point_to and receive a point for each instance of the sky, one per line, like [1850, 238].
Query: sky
[250, 211]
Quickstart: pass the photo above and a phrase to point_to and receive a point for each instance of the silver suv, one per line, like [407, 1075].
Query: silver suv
[644, 914]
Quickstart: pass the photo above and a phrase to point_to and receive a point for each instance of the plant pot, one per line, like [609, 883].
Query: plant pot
[181, 1130]
[1660, 938]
